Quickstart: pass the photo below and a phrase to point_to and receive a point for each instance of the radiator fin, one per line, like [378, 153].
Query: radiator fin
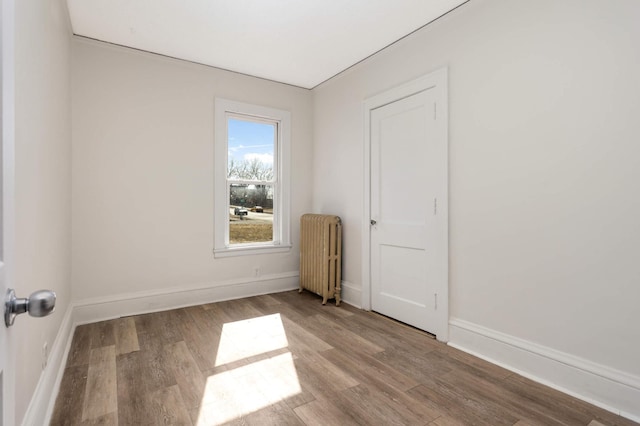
[321, 255]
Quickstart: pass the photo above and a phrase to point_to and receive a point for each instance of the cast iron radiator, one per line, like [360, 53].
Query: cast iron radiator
[321, 255]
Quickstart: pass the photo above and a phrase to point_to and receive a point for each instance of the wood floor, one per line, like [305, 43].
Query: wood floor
[285, 359]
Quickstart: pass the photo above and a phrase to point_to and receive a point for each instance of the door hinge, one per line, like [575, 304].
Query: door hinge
[435, 206]
[435, 111]
[435, 301]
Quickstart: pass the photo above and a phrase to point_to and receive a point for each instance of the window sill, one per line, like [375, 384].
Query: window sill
[250, 250]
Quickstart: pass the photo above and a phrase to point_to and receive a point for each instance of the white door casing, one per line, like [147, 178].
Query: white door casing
[7, 132]
[405, 254]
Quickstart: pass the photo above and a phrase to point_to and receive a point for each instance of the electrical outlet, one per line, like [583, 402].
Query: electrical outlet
[45, 355]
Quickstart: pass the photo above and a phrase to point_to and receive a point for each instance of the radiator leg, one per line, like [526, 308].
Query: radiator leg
[324, 300]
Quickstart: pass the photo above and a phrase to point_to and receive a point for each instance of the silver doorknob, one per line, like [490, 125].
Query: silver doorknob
[40, 304]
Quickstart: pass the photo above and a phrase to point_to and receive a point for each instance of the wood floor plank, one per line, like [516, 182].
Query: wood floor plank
[331, 311]
[101, 396]
[491, 393]
[153, 362]
[371, 406]
[282, 383]
[332, 332]
[303, 305]
[325, 413]
[454, 403]
[300, 339]
[221, 387]
[263, 301]
[166, 407]
[228, 396]
[132, 389]
[285, 359]
[321, 377]
[474, 362]
[239, 310]
[103, 334]
[162, 326]
[274, 415]
[188, 376]
[283, 309]
[390, 334]
[447, 421]
[441, 361]
[144, 323]
[383, 384]
[255, 390]
[304, 397]
[367, 369]
[298, 306]
[68, 407]
[201, 335]
[80, 349]
[312, 304]
[560, 402]
[523, 423]
[126, 337]
[216, 314]
[216, 412]
[420, 367]
[110, 419]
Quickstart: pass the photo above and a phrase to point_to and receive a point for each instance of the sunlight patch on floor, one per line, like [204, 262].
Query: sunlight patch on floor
[247, 338]
[243, 390]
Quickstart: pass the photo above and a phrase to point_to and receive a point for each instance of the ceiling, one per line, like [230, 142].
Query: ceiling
[297, 42]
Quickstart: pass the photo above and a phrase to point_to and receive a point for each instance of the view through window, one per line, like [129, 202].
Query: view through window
[251, 178]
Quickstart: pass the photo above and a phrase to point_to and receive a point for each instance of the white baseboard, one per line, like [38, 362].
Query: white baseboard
[86, 311]
[41, 405]
[104, 308]
[351, 294]
[605, 387]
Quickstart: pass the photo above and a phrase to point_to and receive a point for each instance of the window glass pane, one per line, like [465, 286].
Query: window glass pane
[250, 213]
[251, 149]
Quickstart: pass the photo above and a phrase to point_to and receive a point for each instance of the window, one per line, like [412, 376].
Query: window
[251, 189]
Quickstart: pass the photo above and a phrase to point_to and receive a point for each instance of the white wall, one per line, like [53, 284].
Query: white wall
[143, 146]
[42, 179]
[544, 163]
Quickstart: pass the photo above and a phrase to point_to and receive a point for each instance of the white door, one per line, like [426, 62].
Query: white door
[406, 148]
[7, 353]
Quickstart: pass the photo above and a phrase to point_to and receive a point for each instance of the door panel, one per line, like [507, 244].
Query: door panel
[404, 184]
[402, 272]
[7, 355]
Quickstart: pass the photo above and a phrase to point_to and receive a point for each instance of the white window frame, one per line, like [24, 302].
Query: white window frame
[225, 109]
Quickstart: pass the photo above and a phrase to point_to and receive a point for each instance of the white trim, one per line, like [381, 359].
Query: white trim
[282, 207]
[104, 308]
[351, 294]
[613, 390]
[438, 81]
[251, 250]
[42, 401]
